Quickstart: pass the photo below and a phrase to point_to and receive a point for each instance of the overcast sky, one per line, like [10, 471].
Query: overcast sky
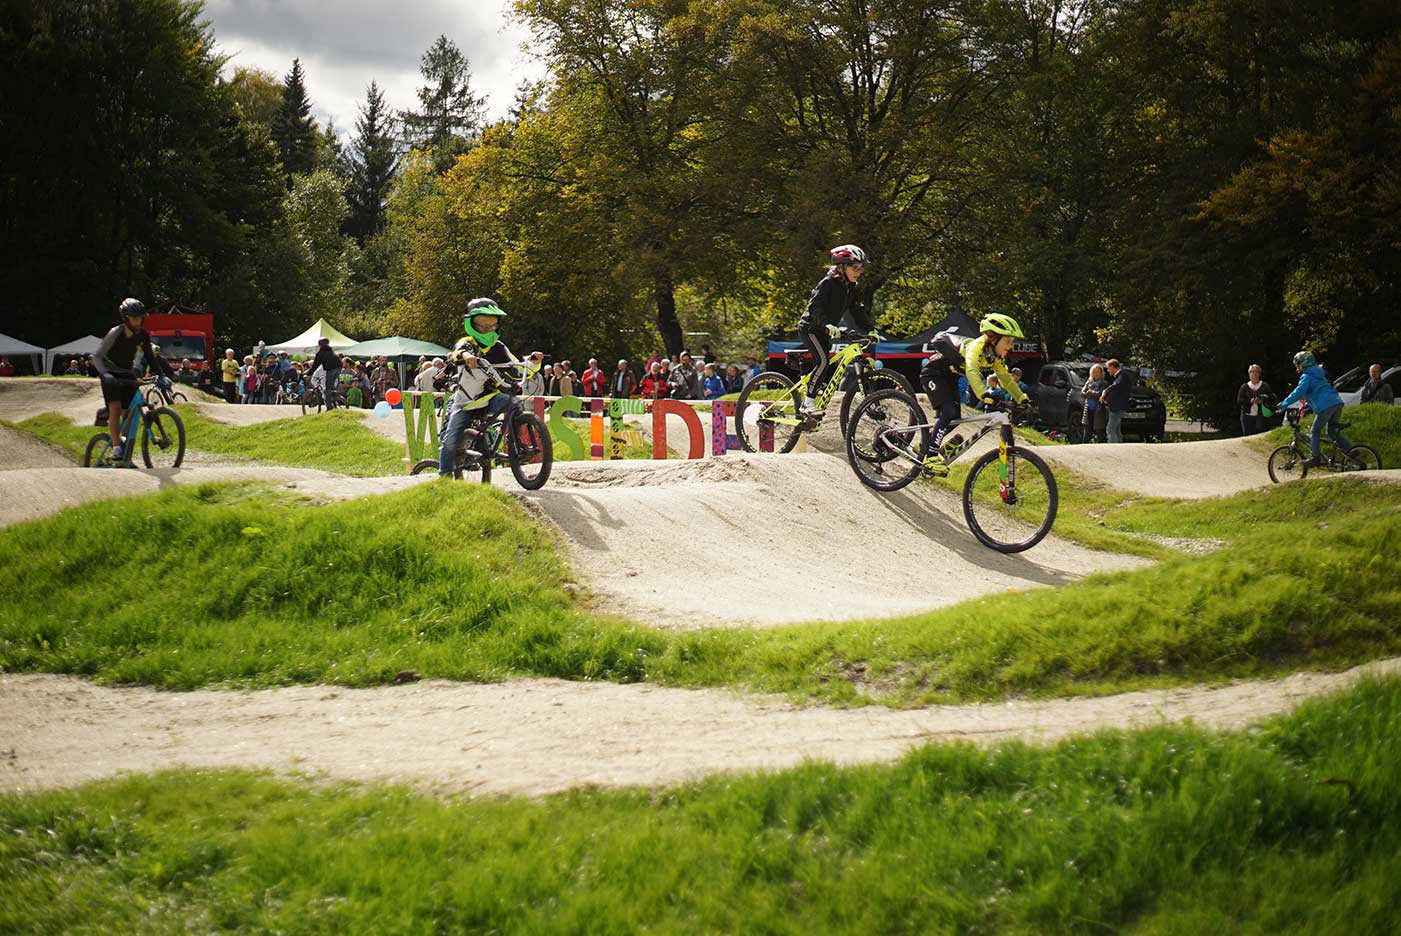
[344, 44]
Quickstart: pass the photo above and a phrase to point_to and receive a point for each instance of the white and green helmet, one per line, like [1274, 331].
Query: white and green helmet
[482, 307]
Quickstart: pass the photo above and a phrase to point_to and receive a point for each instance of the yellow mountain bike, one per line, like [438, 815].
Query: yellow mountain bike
[766, 414]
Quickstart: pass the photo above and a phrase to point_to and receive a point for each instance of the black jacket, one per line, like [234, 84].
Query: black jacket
[326, 359]
[1116, 395]
[116, 356]
[1243, 395]
[832, 298]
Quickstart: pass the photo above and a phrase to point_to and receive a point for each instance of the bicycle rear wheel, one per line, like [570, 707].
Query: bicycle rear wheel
[1010, 517]
[162, 439]
[880, 419]
[768, 403]
[530, 451]
[1362, 458]
[311, 400]
[1286, 464]
[869, 382]
[99, 452]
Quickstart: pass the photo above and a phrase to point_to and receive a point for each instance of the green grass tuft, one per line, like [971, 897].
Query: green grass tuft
[1294, 826]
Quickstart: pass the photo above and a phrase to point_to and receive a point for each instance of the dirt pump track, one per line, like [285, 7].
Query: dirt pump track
[672, 544]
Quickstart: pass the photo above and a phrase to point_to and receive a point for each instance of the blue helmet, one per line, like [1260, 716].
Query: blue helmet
[1304, 359]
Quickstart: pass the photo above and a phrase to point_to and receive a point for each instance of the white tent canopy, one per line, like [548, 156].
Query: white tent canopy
[306, 342]
[10, 347]
[88, 344]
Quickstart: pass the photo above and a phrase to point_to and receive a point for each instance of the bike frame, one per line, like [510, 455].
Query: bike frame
[1006, 441]
[1329, 457]
[131, 424]
[852, 354]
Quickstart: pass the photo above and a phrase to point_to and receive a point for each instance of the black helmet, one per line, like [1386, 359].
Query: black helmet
[132, 308]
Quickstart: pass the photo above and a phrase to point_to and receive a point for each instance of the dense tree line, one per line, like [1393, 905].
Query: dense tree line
[1192, 184]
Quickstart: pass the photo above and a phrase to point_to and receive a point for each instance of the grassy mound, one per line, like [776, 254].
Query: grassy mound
[242, 585]
[1291, 827]
[1372, 424]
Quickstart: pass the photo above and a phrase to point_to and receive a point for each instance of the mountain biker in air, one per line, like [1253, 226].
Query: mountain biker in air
[115, 360]
[1327, 406]
[473, 387]
[956, 356]
[837, 295]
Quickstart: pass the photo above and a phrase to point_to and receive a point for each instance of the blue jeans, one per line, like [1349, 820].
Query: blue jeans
[457, 424]
[1116, 423]
[328, 391]
[1329, 418]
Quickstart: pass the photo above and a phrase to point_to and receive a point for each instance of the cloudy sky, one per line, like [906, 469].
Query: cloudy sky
[343, 44]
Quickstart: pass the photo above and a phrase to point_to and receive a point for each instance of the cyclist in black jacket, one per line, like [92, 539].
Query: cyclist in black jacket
[837, 295]
[115, 360]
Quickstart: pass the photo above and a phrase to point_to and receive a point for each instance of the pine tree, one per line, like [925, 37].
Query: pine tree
[449, 115]
[372, 165]
[295, 132]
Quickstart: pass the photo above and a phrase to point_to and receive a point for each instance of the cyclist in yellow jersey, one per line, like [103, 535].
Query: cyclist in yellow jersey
[955, 356]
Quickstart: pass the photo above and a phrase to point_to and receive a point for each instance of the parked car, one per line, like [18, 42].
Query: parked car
[1349, 386]
[1060, 402]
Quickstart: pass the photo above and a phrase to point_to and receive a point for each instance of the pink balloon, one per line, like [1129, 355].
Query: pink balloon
[392, 396]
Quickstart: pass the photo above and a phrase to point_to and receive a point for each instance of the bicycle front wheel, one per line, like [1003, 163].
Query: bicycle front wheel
[881, 420]
[1013, 514]
[869, 382]
[530, 451]
[99, 452]
[163, 439]
[1362, 458]
[1286, 464]
[768, 404]
[311, 400]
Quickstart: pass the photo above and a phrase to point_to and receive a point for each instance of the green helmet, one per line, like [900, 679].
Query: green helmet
[1000, 324]
[482, 307]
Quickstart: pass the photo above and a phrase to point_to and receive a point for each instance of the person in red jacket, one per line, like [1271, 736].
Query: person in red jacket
[594, 380]
[654, 385]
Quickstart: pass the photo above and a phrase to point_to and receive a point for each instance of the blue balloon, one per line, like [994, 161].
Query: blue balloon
[383, 409]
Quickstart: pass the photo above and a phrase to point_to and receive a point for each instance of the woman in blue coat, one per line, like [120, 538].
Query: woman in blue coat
[1327, 406]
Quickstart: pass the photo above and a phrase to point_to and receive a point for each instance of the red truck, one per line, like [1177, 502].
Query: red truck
[181, 335]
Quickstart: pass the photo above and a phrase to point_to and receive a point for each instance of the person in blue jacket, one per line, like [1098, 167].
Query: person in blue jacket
[1327, 406]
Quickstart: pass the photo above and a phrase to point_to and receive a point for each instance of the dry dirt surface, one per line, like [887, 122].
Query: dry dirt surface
[1188, 470]
[543, 736]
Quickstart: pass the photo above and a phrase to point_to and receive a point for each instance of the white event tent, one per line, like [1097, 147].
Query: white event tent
[88, 344]
[10, 347]
[306, 342]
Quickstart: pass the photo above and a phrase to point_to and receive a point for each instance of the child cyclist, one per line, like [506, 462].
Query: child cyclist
[473, 390]
[115, 360]
[835, 296]
[956, 356]
[1327, 406]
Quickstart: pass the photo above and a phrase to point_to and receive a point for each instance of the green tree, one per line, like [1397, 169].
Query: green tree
[449, 115]
[295, 132]
[372, 164]
[316, 210]
[258, 94]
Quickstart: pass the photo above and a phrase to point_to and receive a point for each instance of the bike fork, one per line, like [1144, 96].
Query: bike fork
[1007, 488]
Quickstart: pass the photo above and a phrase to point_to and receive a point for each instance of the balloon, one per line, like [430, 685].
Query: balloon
[383, 409]
[392, 396]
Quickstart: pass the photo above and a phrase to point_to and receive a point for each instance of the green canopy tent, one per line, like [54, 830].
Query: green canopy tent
[402, 351]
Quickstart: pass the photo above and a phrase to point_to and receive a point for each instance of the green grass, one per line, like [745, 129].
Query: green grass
[457, 581]
[1291, 827]
[337, 441]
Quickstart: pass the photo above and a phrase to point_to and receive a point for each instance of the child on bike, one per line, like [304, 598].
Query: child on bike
[473, 390]
[837, 295]
[115, 360]
[955, 356]
[1313, 386]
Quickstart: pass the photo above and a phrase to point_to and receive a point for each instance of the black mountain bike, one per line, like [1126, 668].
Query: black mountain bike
[516, 437]
[1290, 461]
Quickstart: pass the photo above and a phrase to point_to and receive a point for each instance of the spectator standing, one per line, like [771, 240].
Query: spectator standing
[594, 380]
[753, 370]
[714, 385]
[249, 393]
[186, 373]
[330, 365]
[228, 370]
[1374, 391]
[734, 380]
[654, 385]
[1116, 397]
[1251, 399]
[623, 384]
[1093, 415]
[6, 368]
[74, 370]
[1016, 373]
[684, 381]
